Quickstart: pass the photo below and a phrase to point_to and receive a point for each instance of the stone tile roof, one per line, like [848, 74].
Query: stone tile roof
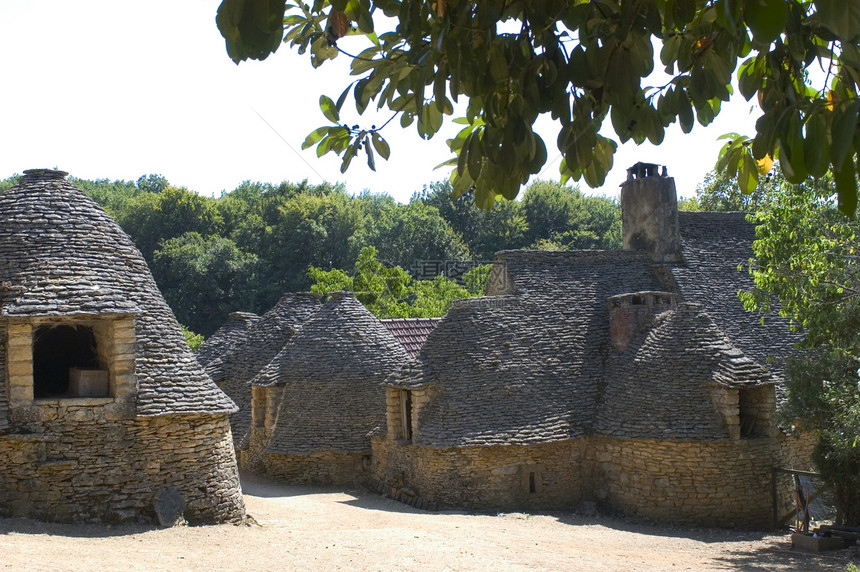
[234, 370]
[532, 362]
[659, 387]
[411, 332]
[332, 372]
[713, 245]
[62, 255]
[234, 331]
[526, 368]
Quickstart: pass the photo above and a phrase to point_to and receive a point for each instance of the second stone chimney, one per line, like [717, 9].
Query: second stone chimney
[649, 213]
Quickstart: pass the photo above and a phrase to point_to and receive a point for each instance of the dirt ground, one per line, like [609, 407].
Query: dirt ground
[326, 529]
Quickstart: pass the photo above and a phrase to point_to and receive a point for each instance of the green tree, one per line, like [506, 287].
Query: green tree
[151, 218]
[203, 279]
[193, 340]
[475, 280]
[719, 192]
[113, 196]
[308, 229]
[581, 62]
[485, 232]
[152, 183]
[806, 257]
[415, 233]
[561, 217]
[389, 291]
[10, 182]
[460, 212]
[502, 227]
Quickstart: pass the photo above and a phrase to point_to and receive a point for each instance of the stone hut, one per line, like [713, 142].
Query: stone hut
[104, 411]
[241, 361]
[232, 333]
[316, 404]
[631, 379]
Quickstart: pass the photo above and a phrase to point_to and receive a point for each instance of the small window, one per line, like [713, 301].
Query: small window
[531, 479]
[53, 358]
[406, 413]
[57, 352]
[753, 409]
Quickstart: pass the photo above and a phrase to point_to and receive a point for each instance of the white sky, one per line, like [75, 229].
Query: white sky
[117, 89]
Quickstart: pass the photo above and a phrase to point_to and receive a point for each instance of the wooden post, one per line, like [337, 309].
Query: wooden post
[774, 491]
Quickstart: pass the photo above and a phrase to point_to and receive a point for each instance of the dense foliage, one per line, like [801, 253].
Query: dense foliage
[244, 249]
[581, 62]
[719, 192]
[807, 256]
[391, 292]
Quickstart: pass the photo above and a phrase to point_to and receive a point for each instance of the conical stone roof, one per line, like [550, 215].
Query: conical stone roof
[659, 387]
[62, 255]
[333, 372]
[233, 332]
[235, 369]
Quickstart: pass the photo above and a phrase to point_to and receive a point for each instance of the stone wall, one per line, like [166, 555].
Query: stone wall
[316, 468]
[75, 465]
[536, 477]
[722, 483]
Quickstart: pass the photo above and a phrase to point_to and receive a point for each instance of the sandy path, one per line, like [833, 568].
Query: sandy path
[323, 529]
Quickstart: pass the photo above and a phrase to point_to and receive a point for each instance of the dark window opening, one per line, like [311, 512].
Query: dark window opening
[751, 407]
[532, 484]
[406, 413]
[56, 349]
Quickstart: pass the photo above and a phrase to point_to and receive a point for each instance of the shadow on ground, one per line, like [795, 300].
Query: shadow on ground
[31, 526]
[781, 556]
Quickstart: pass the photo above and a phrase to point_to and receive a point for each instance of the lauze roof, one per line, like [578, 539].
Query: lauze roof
[533, 362]
[62, 255]
[332, 372]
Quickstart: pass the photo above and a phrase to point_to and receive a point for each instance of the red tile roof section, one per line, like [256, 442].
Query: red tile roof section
[411, 332]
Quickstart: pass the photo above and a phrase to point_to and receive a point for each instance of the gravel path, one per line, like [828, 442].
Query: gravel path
[325, 529]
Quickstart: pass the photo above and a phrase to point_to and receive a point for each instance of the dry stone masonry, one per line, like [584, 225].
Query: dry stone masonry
[316, 403]
[631, 380]
[104, 411]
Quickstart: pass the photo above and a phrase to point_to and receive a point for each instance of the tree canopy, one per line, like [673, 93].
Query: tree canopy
[806, 258]
[581, 62]
[391, 292]
[244, 249]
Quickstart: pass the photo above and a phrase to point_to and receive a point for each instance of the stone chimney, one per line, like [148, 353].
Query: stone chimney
[630, 313]
[649, 213]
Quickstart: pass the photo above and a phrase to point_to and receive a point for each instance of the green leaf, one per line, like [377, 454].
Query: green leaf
[315, 137]
[351, 152]
[380, 145]
[816, 148]
[475, 157]
[370, 162]
[329, 109]
[841, 16]
[749, 80]
[747, 174]
[463, 157]
[364, 20]
[341, 99]
[846, 187]
[843, 130]
[685, 112]
[766, 18]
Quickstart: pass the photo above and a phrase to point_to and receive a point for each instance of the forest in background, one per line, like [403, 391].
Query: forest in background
[241, 251]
